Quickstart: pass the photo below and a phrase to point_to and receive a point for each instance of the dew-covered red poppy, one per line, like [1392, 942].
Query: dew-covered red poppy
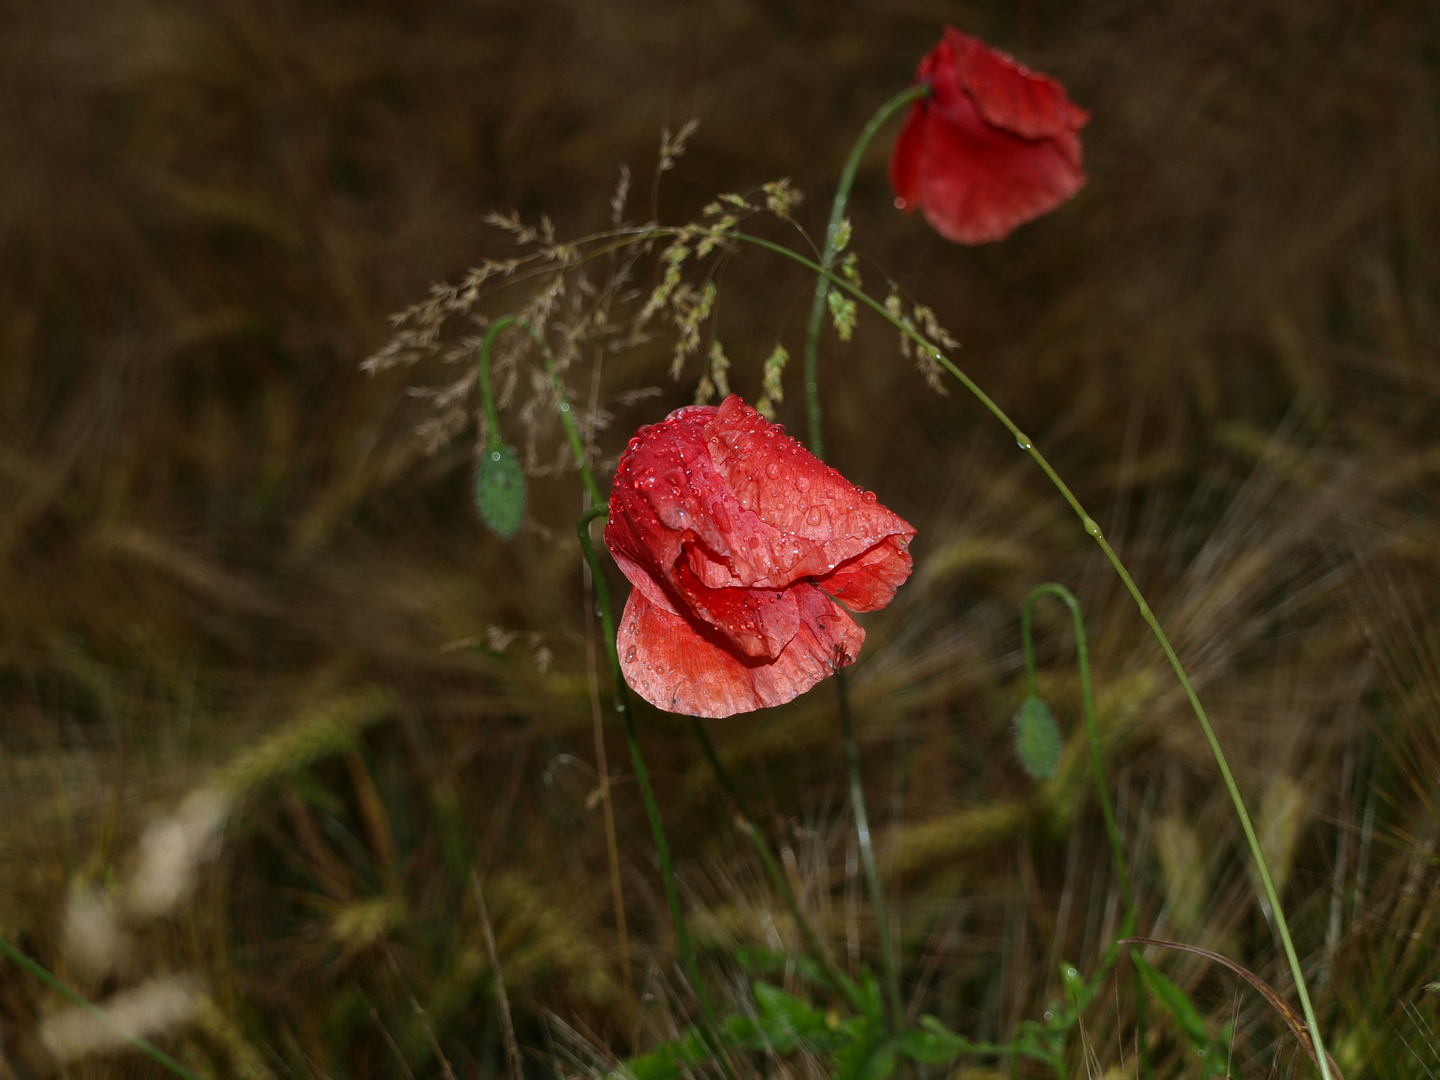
[991, 147]
[738, 543]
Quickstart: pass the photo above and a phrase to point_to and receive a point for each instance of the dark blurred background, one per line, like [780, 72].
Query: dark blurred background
[217, 532]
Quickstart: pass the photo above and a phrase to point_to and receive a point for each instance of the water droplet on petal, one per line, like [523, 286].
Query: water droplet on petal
[813, 517]
[869, 496]
[630, 655]
[772, 470]
[635, 443]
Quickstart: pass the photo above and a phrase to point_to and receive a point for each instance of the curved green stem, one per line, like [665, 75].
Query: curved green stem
[817, 447]
[567, 414]
[1092, 727]
[1097, 766]
[1282, 928]
[602, 602]
[487, 393]
[827, 259]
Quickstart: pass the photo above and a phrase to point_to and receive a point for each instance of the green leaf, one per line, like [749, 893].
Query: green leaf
[868, 997]
[869, 1057]
[659, 1064]
[1174, 1001]
[1037, 738]
[500, 490]
[786, 1019]
[935, 1045]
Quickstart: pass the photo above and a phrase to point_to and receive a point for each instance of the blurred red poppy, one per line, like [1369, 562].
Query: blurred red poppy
[738, 543]
[991, 147]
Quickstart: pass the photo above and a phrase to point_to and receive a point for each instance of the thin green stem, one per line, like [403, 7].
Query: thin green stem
[567, 414]
[102, 1016]
[817, 447]
[602, 603]
[487, 392]
[867, 859]
[1092, 726]
[746, 823]
[1282, 928]
[1097, 766]
[709, 1026]
[827, 258]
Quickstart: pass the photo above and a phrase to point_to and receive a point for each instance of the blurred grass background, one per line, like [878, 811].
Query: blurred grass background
[229, 567]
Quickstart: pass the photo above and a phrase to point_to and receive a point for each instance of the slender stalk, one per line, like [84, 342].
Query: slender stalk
[867, 860]
[710, 1028]
[827, 258]
[1092, 727]
[102, 1016]
[487, 393]
[621, 700]
[817, 447]
[567, 414]
[607, 805]
[1282, 928]
[777, 876]
[1097, 766]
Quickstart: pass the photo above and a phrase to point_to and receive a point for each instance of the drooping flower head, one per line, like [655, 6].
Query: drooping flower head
[993, 145]
[736, 539]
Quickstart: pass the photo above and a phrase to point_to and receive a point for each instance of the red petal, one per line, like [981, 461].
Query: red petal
[977, 183]
[725, 527]
[760, 622]
[1009, 96]
[814, 519]
[992, 147]
[868, 583]
[679, 667]
[904, 159]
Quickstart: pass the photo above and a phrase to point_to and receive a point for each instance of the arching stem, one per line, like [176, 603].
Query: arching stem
[1282, 927]
[1097, 766]
[827, 258]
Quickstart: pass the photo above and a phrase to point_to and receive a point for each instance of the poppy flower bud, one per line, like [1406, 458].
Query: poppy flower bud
[739, 543]
[1038, 742]
[500, 489]
[992, 146]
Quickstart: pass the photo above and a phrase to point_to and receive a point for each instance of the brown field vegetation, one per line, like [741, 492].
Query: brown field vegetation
[272, 701]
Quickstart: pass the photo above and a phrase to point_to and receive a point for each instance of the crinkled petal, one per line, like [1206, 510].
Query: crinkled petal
[680, 666]
[815, 519]
[759, 622]
[1009, 96]
[732, 536]
[868, 582]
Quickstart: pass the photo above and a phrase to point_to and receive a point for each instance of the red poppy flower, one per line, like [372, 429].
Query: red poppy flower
[739, 542]
[992, 146]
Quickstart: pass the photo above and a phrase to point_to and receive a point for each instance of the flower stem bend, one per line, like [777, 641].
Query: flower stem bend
[1092, 727]
[1097, 766]
[827, 258]
[1282, 927]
